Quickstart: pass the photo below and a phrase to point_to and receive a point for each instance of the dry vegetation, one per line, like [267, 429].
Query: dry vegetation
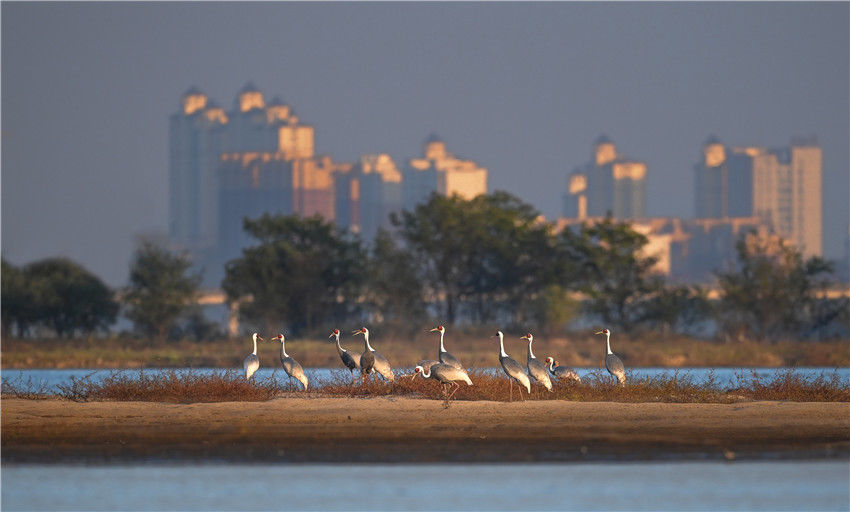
[187, 386]
[475, 350]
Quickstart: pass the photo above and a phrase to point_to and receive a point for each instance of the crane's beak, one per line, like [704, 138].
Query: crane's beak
[331, 336]
[434, 329]
[600, 332]
[523, 337]
[356, 332]
[261, 339]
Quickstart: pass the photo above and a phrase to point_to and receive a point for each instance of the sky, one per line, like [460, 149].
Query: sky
[521, 88]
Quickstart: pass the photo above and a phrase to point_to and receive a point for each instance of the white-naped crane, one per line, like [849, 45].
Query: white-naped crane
[512, 368]
[443, 355]
[351, 361]
[252, 363]
[447, 375]
[371, 360]
[613, 364]
[290, 365]
[536, 369]
[561, 372]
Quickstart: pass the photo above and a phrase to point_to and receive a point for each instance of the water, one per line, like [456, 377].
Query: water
[801, 485]
[47, 380]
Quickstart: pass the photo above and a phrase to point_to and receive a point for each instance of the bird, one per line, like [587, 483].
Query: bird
[443, 355]
[561, 372]
[512, 368]
[351, 361]
[252, 362]
[371, 360]
[613, 364]
[536, 370]
[445, 374]
[290, 365]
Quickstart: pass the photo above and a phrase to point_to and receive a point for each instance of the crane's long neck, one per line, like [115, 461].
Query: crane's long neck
[530, 353]
[502, 346]
[426, 375]
[608, 341]
[551, 365]
[255, 346]
[283, 349]
[366, 340]
[442, 347]
[339, 348]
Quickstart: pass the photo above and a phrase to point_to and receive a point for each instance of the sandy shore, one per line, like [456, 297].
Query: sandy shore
[405, 429]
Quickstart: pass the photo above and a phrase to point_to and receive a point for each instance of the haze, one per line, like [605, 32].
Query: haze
[523, 89]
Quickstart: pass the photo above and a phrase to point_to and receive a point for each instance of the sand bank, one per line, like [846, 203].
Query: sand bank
[406, 429]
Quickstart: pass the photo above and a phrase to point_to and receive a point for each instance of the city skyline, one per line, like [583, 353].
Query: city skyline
[85, 159]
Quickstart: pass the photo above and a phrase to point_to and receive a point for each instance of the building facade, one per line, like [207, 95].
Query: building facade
[367, 193]
[781, 186]
[440, 171]
[608, 184]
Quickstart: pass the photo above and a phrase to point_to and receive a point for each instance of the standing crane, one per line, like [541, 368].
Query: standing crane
[290, 365]
[512, 368]
[446, 375]
[613, 364]
[371, 360]
[443, 355]
[351, 361]
[536, 370]
[252, 362]
[561, 372]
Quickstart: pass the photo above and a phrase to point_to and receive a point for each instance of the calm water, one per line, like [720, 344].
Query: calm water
[801, 485]
[48, 379]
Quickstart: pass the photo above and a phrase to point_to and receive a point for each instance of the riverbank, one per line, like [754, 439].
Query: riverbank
[474, 351]
[399, 429]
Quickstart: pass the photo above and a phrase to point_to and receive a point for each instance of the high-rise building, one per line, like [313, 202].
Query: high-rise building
[367, 193]
[781, 186]
[440, 171]
[608, 184]
[256, 158]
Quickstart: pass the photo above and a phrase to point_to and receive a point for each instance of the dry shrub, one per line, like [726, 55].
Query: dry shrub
[788, 385]
[173, 386]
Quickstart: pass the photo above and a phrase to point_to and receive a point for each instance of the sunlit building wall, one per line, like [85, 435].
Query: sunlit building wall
[367, 193]
[440, 171]
[608, 184]
[781, 186]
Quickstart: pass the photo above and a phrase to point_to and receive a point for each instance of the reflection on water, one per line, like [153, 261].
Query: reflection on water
[800, 485]
[47, 379]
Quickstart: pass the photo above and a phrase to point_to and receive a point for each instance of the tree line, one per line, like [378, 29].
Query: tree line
[488, 260]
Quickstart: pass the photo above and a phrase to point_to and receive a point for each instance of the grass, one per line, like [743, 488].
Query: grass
[580, 350]
[187, 386]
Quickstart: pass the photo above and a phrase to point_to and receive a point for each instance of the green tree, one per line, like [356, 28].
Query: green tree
[301, 272]
[616, 278]
[161, 289]
[774, 291]
[17, 302]
[393, 288]
[68, 298]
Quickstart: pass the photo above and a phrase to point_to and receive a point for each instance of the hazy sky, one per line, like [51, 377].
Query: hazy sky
[522, 88]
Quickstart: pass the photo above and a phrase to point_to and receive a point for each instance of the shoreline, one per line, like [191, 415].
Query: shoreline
[401, 429]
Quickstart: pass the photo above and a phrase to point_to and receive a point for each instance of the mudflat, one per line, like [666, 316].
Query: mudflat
[391, 429]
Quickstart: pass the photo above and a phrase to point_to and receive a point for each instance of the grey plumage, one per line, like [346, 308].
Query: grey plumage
[445, 374]
[536, 369]
[615, 367]
[442, 354]
[561, 372]
[252, 363]
[512, 369]
[372, 361]
[350, 361]
[291, 366]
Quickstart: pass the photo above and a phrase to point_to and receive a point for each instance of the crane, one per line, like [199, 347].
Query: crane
[446, 374]
[536, 370]
[252, 362]
[561, 372]
[443, 355]
[512, 368]
[351, 361]
[290, 365]
[371, 360]
[613, 364]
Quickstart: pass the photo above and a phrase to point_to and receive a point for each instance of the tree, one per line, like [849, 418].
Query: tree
[774, 291]
[302, 271]
[613, 274]
[160, 291]
[394, 289]
[17, 304]
[67, 298]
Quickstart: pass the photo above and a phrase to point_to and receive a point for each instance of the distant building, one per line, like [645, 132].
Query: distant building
[367, 193]
[441, 172]
[256, 158]
[608, 184]
[781, 186]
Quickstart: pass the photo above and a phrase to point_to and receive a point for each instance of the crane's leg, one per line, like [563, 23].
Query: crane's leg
[352, 377]
[457, 386]
[511, 384]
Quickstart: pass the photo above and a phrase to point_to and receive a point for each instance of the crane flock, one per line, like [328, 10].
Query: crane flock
[446, 369]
